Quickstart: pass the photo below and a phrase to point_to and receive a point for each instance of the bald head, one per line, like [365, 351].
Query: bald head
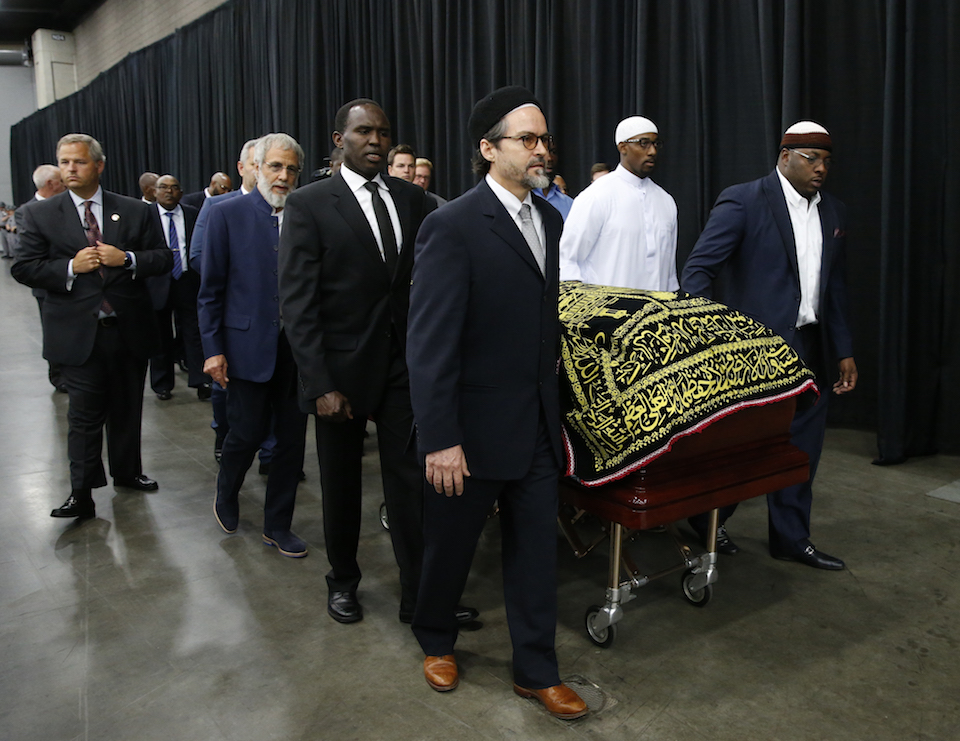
[148, 185]
[220, 183]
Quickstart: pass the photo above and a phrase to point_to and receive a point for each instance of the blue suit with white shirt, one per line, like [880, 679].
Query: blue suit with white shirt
[749, 237]
[239, 311]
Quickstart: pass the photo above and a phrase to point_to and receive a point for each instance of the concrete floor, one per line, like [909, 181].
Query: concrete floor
[149, 623]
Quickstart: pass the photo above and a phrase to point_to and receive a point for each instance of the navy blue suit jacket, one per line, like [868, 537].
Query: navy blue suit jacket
[750, 237]
[238, 303]
[483, 336]
[200, 228]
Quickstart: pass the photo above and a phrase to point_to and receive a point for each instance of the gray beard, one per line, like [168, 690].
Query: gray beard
[535, 181]
[268, 195]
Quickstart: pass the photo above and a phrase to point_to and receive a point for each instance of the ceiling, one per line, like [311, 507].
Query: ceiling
[20, 18]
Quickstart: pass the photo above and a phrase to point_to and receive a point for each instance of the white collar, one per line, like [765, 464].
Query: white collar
[508, 199]
[794, 196]
[355, 181]
[629, 178]
[96, 198]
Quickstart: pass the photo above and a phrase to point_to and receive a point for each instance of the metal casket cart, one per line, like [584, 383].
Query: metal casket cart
[740, 456]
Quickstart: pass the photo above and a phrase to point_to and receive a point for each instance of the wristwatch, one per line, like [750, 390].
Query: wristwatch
[127, 259]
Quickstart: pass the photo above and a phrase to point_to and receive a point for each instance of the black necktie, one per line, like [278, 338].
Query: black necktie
[92, 230]
[387, 236]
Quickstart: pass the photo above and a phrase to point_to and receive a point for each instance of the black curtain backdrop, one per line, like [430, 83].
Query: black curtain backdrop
[721, 79]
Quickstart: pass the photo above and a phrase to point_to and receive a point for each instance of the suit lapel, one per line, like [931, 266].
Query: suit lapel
[72, 220]
[505, 227]
[349, 209]
[828, 226]
[778, 205]
[553, 238]
[110, 228]
[405, 211]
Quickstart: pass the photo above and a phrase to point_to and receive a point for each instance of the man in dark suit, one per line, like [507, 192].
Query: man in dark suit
[345, 261]
[482, 347]
[220, 183]
[245, 343]
[48, 183]
[92, 250]
[780, 243]
[175, 294]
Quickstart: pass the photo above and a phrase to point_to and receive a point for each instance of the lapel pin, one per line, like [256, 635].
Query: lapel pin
[115, 217]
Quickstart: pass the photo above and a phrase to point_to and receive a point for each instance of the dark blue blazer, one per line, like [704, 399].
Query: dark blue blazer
[749, 236]
[483, 336]
[196, 241]
[238, 304]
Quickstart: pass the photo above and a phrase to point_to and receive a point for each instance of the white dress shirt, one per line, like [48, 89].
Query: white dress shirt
[357, 184]
[513, 205]
[181, 225]
[808, 236]
[621, 231]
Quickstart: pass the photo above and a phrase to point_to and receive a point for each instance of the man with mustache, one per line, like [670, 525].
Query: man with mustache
[622, 230]
[345, 261]
[781, 245]
[245, 343]
[482, 348]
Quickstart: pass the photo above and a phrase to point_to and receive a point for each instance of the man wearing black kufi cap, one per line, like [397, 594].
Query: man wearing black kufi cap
[781, 243]
[482, 348]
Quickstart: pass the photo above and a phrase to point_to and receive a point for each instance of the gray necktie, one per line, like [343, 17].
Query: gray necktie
[529, 232]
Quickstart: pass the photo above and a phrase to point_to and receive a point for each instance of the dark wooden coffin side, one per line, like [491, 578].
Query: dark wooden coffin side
[743, 455]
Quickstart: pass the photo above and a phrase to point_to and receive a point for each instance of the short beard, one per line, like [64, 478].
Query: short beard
[535, 181]
[277, 201]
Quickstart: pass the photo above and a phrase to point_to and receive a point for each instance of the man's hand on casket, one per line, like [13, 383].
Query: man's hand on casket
[848, 377]
[446, 469]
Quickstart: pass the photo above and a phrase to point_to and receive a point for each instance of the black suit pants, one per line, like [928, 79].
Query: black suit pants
[339, 450]
[788, 510]
[528, 524]
[107, 390]
[182, 304]
[250, 407]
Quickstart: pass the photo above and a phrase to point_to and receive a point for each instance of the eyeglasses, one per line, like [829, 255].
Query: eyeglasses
[530, 140]
[276, 167]
[171, 188]
[813, 160]
[645, 143]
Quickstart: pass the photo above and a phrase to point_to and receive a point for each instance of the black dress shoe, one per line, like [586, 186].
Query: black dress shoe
[464, 615]
[74, 507]
[811, 557]
[140, 483]
[164, 395]
[344, 607]
[724, 544]
[204, 392]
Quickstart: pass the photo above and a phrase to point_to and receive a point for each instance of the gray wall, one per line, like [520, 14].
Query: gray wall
[17, 101]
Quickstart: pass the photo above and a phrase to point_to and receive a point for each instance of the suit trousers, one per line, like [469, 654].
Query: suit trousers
[788, 510]
[218, 404]
[339, 450]
[107, 390]
[528, 525]
[53, 369]
[249, 409]
[182, 303]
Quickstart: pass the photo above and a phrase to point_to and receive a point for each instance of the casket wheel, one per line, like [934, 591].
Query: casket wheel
[696, 597]
[384, 521]
[603, 637]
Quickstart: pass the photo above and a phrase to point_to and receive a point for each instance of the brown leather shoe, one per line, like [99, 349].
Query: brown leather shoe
[560, 701]
[441, 672]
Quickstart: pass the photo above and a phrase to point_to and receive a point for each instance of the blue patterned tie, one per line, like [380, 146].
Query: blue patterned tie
[175, 248]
